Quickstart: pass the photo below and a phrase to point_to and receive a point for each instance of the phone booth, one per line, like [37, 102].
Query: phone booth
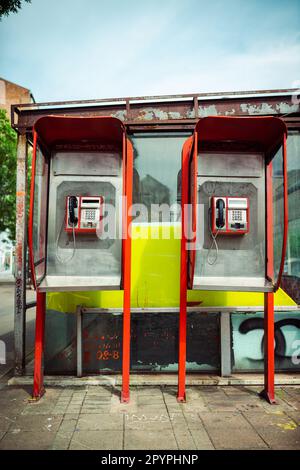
[232, 172]
[81, 184]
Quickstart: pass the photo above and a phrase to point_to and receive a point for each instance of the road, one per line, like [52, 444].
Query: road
[7, 324]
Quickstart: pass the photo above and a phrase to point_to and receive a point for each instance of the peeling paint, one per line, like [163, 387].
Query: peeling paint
[205, 111]
[286, 108]
[190, 114]
[230, 112]
[252, 109]
[153, 113]
[174, 115]
[120, 115]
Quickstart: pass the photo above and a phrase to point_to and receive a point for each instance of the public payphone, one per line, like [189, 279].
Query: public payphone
[81, 181]
[227, 217]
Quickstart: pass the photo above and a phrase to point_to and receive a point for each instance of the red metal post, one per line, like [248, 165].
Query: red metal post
[269, 361]
[38, 379]
[269, 369]
[128, 177]
[183, 271]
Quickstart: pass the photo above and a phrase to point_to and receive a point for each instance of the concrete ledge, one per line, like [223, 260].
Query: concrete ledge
[158, 379]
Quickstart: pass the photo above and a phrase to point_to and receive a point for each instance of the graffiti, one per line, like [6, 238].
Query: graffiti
[106, 355]
[248, 341]
[280, 342]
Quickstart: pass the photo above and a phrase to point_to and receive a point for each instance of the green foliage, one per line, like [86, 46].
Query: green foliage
[10, 6]
[8, 164]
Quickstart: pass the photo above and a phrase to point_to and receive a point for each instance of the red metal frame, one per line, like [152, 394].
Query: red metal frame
[125, 395]
[38, 377]
[269, 356]
[31, 211]
[90, 126]
[272, 133]
[183, 269]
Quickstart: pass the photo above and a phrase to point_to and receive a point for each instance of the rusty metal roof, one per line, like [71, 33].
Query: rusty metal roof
[167, 112]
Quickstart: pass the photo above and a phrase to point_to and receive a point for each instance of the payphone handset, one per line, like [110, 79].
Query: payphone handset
[84, 214]
[229, 215]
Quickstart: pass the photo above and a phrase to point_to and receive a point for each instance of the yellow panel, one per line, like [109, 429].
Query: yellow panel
[155, 279]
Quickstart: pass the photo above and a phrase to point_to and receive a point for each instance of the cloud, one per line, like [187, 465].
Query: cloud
[63, 50]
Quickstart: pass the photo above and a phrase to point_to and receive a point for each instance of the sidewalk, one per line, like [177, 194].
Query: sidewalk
[92, 417]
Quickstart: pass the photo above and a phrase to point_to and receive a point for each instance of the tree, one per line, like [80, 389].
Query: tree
[10, 6]
[8, 164]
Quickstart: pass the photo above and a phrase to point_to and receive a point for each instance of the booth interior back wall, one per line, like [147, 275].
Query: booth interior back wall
[154, 343]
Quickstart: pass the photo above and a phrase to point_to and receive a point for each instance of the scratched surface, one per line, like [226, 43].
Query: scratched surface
[154, 343]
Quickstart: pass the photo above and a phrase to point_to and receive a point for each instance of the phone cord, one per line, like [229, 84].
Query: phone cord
[58, 257]
[213, 261]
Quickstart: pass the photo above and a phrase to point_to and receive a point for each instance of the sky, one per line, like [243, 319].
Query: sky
[85, 49]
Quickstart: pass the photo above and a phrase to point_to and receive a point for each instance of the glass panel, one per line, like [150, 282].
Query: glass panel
[157, 163]
[277, 181]
[40, 214]
[291, 276]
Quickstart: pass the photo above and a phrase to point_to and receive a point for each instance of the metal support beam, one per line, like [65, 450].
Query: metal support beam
[125, 392]
[269, 355]
[20, 258]
[38, 376]
[79, 340]
[225, 344]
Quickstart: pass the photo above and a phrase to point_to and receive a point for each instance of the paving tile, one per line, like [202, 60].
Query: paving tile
[294, 415]
[230, 430]
[36, 424]
[100, 422]
[96, 440]
[5, 422]
[150, 400]
[62, 440]
[97, 401]
[118, 407]
[293, 391]
[193, 420]
[74, 409]
[195, 408]
[97, 407]
[63, 400]
[189, 423]
[28, 440]
[149, 391]
[44, 410]
[219, 406]
[66, 393]
[150, 440]
[101, 392]
[201, 439]
[185, 440]
[276, 428]
[69, 422]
